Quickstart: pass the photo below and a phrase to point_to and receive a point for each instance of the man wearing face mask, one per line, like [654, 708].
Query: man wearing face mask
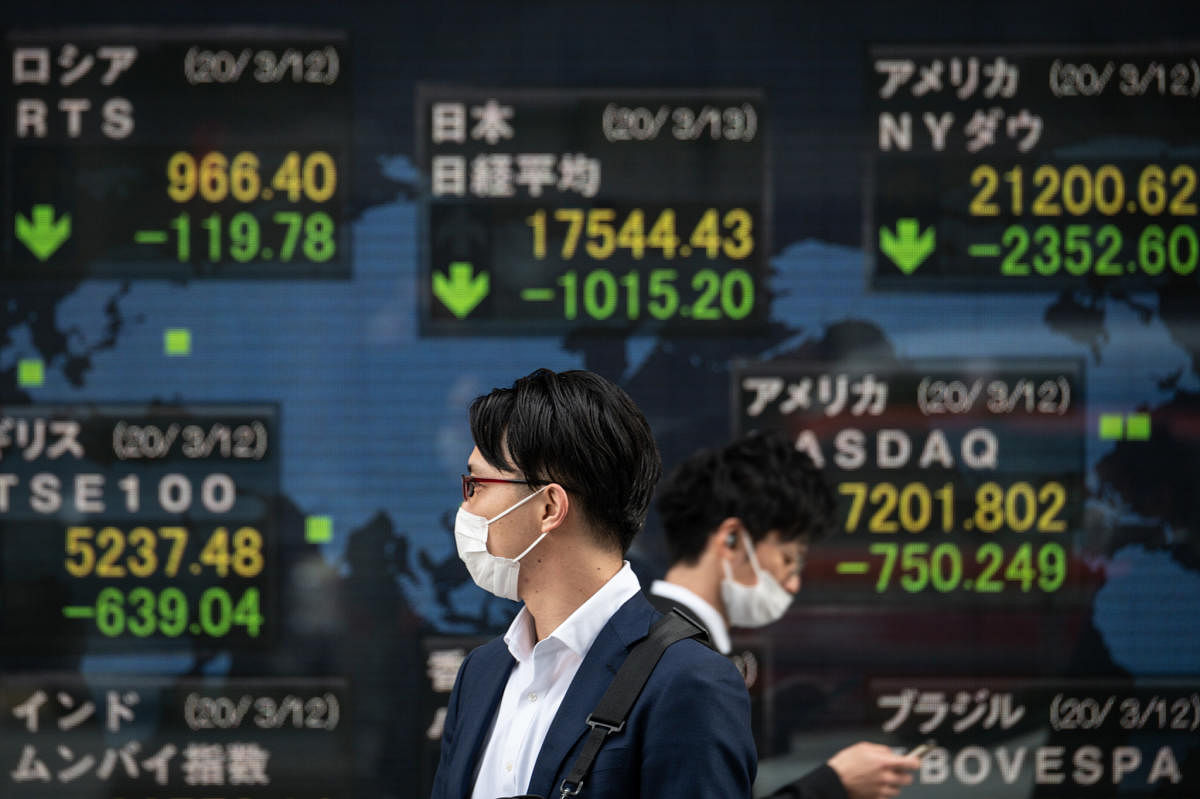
[559, 482]
[738, 523]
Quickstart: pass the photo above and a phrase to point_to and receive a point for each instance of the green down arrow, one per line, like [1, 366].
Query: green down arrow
[463, 290]
[43, 235]
[906, 248]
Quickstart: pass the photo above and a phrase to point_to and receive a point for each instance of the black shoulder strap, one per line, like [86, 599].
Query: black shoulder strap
[613, 708]
[666, 605]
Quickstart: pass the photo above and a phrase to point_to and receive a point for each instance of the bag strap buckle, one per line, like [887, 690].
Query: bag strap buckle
[609, 728]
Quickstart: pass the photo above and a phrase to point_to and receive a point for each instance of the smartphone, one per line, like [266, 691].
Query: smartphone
[920, 750]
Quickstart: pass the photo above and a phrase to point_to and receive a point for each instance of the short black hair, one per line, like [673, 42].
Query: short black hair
[760, 478]
[581, 431]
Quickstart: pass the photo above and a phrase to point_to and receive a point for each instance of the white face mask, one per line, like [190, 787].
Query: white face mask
[492, 573]
[753, 605]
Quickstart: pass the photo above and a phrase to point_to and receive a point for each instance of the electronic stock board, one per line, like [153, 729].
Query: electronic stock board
[255, 269]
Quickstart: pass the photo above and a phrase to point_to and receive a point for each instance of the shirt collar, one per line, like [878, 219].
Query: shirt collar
[579, 631]
[707, 614]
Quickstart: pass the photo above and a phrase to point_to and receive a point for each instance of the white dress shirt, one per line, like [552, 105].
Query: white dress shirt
[537, 685]
[704, 612]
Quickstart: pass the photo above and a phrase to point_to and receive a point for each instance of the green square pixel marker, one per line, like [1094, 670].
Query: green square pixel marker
[318, 529]
[1137, 427]
[31, 372]
[177, 341]
[1112, 427]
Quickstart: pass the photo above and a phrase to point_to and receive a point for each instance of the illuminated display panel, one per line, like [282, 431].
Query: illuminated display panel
[553, 211]
[1078, 735]
[1033, 168]
[956, 482]
[270, 738]
[159, 153]
[127, 528]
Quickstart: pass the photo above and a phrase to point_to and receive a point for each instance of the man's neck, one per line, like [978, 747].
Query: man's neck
[562, 582]
[698, 578]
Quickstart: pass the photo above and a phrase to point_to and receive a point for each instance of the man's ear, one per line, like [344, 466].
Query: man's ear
[726, 540]
[555, 505]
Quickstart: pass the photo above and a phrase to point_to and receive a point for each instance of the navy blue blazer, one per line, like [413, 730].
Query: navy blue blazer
[687, 736]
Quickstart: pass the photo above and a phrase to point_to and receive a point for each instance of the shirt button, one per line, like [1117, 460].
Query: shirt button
[508, 766]
[533, 697]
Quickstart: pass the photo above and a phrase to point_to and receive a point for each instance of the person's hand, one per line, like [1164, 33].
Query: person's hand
[872, 771]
